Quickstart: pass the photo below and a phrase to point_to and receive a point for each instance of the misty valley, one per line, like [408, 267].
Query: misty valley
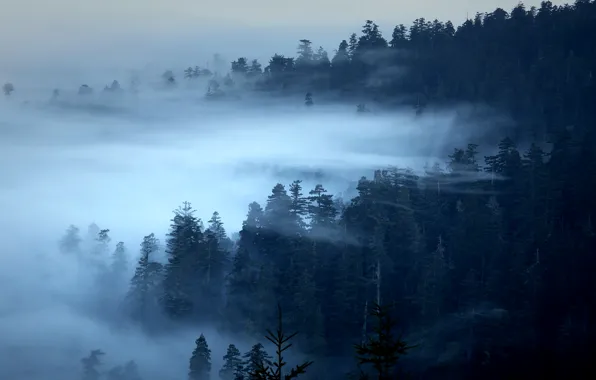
[419, 205]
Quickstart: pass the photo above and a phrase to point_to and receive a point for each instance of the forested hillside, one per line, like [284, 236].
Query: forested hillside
[486, 263]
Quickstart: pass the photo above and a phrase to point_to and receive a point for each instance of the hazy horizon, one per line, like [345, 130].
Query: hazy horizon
[74, 38]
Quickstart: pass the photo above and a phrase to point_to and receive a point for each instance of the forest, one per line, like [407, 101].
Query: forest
[478, 267]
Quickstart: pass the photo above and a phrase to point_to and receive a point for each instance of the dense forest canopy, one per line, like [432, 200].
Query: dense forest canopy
[485, 264]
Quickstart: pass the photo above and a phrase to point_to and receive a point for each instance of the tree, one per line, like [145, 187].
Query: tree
[240, 66]
[128, 371]
[8, 88]
[71, 242]
[169, 78]
[233, 364]
[90, 364]
[305, 54]
[184, 245]
[308, 99]
[255, 69]
[275, 370]
[200, 361]
[145, 283]
[382, 350]
[256, 358]
[85, 90]
[102, 240]
[119, 265]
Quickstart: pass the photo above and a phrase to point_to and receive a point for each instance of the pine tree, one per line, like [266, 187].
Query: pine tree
[308, 99]
[102, 240]
[189, 73]
[216, 226]
[233, 364]
[119, 262]
[299, 203]
[71, 242]
[184, 245]
[144, 285]
[131, 371]
[384, 349]
[200, 361]
[321, 208]
[256, 358]
[275, 370]
[169, 78]
[128, 371]
[255, 69]
[91, 364]
[8, 88]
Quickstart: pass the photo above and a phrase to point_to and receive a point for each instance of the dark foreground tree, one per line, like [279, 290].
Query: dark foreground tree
[256, 358]
[275, 371]
[383, 349]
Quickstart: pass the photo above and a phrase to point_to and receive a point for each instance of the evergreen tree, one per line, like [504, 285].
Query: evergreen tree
[144, 286]
[168, 78]
[256, 358]
[189, 73]
[200, 361]
[233, 364]
[91, 364]
[119, 261]
[184, 245]
[384, 349]
[308, 100]
[8, 88]
[275, 370]
[71, 242]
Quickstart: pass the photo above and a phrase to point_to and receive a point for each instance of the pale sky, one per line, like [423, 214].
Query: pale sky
[129, 31]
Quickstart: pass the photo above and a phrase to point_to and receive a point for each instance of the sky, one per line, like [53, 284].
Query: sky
[84, 35]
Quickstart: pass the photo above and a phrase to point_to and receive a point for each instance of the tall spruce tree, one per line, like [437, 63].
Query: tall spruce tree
[256, 358]
[145, 284]
[233, 364]
[184, 246]
[200, 361]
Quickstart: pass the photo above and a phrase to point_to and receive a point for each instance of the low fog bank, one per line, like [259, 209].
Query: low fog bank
[127, 169]
[128, 172]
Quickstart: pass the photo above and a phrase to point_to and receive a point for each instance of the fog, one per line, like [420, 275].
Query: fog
[125, 163]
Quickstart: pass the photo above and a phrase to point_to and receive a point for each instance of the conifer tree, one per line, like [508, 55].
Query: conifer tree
[91, 364]
[233, 364]
[276, 371]
[256, 358]
[200, 361]
[184, 245]
[383, 349]
[144, 285]
[102, 240]
[119, 262]
[8, 88]
[71, 242]
[308, 99]
[299, 203]
[189, 73]
[128, 371]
